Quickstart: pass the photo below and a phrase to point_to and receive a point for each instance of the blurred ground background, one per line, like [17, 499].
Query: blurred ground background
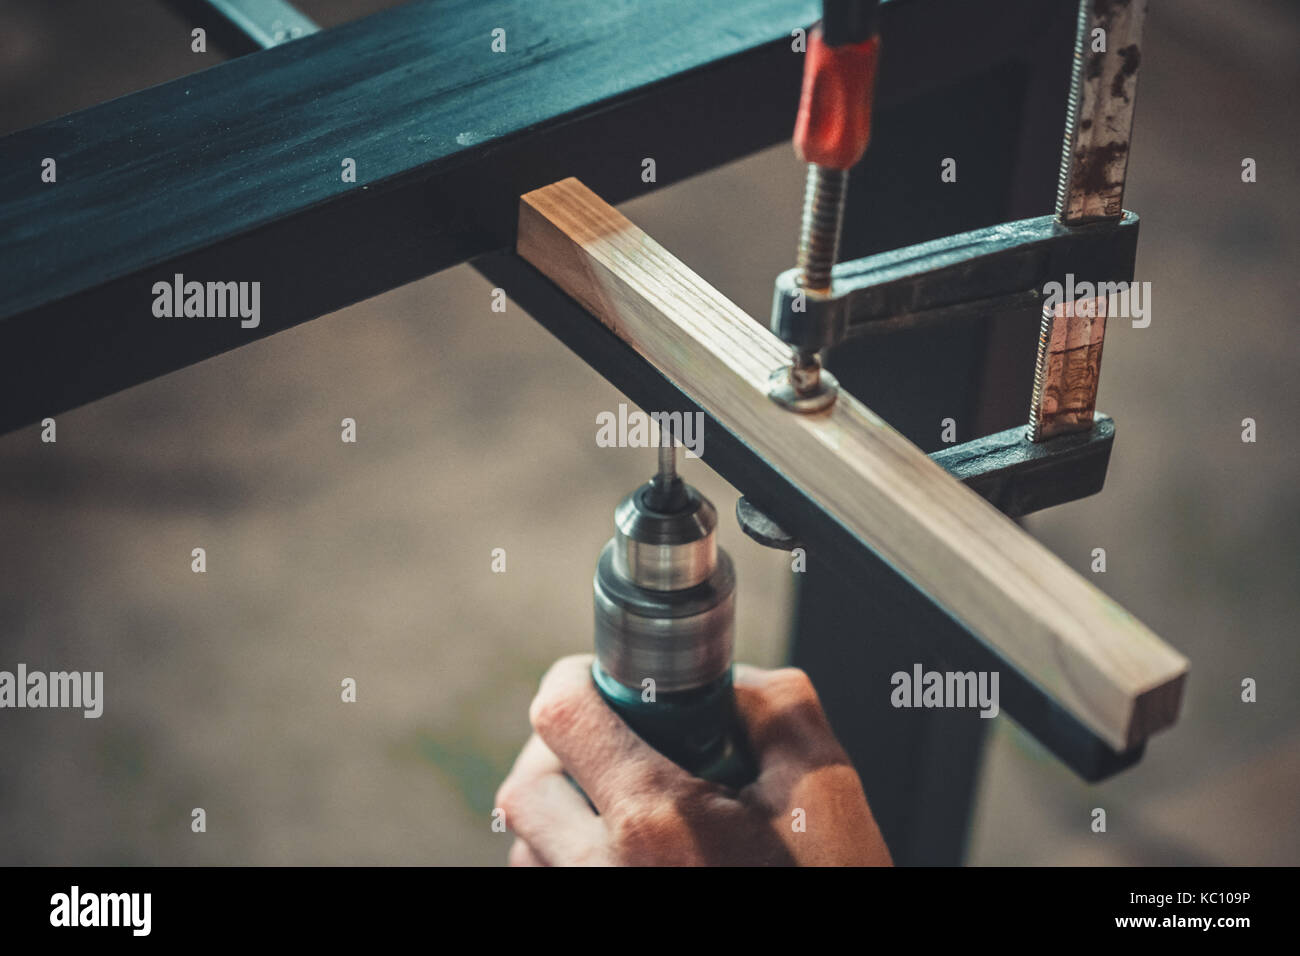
[328, 560]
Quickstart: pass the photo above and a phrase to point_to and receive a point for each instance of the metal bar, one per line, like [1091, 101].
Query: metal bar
[970, 275]
[1019, 476]
[983, 271]
[1099, 119]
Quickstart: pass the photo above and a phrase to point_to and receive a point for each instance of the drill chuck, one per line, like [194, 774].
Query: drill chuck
[664, 596]
[664, 614]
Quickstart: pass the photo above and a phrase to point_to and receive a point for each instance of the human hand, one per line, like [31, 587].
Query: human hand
[806, 807]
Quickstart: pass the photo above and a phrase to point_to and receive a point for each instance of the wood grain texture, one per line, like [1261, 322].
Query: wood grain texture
[1088, 653]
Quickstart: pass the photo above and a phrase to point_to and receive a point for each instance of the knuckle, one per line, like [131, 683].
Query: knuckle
[579, 662]
[507, 799]
[647, 831]
[660, 823]
[551, 712]
[560, 698]
[795, 685]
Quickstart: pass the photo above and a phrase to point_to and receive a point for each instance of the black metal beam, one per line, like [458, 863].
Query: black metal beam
[233, 173]
[968, 275]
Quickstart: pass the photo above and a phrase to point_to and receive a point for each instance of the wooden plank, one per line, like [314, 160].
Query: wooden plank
[1094, 659]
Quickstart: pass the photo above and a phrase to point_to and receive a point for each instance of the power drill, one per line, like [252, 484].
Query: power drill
[665, 609]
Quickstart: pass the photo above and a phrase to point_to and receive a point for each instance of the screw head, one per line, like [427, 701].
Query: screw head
[817, 398]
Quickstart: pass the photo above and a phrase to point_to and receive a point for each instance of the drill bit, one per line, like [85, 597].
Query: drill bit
[667, 491]
[667, 460]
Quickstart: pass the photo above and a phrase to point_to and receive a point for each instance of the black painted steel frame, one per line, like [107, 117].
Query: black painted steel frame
[233, 172]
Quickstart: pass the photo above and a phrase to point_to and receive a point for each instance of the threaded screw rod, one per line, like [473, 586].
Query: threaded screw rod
[819, 244]
[1035, 432]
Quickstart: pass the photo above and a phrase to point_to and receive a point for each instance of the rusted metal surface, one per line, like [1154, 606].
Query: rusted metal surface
[1099, 120]
[1069, 366]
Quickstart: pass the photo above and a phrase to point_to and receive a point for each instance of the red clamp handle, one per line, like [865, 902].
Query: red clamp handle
[834, 124]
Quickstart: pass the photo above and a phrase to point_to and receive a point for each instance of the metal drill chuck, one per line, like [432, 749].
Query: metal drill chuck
[664, 593]
[665, 609]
